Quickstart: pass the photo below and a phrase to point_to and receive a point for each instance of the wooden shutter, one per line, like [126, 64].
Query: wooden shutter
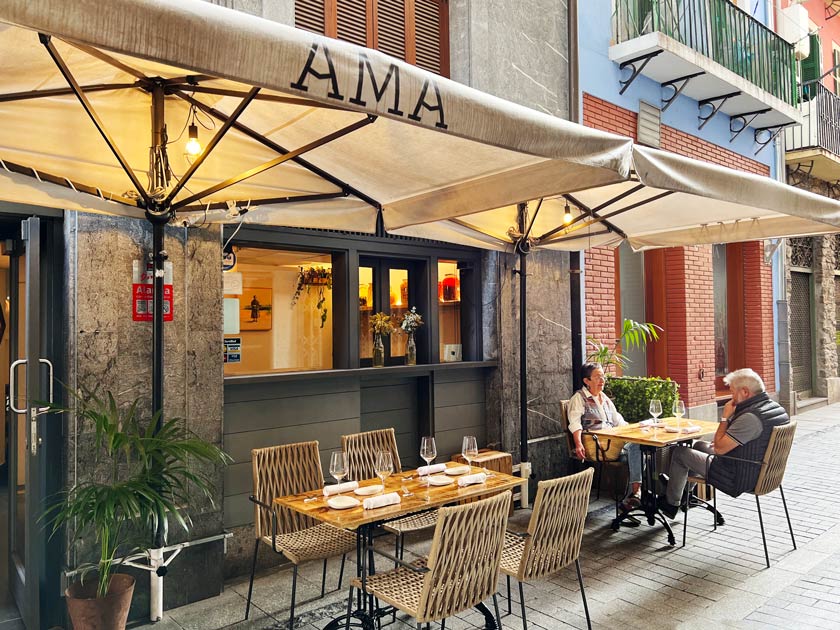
[836, 73]
[352, 21]
[390, 27]
[309, 15]
[811, 68]
[427, 34]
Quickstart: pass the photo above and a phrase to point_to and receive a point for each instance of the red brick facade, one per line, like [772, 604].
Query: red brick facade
[689, 324]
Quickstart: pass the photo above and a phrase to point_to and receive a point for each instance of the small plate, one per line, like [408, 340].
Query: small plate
[458, 470]
[439, 480]
[342, 502]
[368, 490]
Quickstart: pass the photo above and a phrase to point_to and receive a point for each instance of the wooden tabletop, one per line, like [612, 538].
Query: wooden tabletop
[659, 436]
[420, 499]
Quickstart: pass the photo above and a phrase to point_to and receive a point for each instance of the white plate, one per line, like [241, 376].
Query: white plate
[342, 502]
[368, 490]
[457, 470]
[439, 480]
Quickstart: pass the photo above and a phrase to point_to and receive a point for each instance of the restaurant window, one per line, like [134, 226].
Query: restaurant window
[721, 332]
[728, 287]
[387, 286]
[416, 32]
[277, 311]
[449, 310]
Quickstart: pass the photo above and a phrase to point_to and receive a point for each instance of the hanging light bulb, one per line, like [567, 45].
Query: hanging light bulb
[567, 216]
[193, 145]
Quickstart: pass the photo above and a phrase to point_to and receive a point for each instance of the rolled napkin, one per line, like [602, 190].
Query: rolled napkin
[381, 500]
[691, 429]
[347, 486]
[468, 480]
[431, 470]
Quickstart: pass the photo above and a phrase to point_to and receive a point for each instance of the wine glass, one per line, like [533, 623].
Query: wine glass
[469, 449]
[655, 409]
[428, 451]
[384, 466]
[338, 466]
[679, 412]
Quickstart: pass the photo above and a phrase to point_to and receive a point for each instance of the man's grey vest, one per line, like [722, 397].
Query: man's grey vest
[591, 420]
[734, 477]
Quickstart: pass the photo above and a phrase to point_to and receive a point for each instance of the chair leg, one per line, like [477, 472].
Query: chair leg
[349, 609]
[787, 516]
[443, 624]
[251, 583]
[713, 490]
[522, 605]
[324, 578]
[496, 608]
[583, 594]
[508, 590]
[600, 473]
[341, 572]
[687, 504]
[294, 593]
[763, 539]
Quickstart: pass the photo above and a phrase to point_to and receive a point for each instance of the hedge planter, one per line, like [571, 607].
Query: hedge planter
[632, 395]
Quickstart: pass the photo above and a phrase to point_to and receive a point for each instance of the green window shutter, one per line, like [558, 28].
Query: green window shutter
[811, 68]
[836, 73]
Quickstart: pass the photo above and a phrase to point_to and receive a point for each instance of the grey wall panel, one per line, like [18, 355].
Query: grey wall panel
[449, 394]
[459, 410]
[266, 414]
[238, 478]
[328, 434]
[238, 510]
[399, 395]
[270, 391]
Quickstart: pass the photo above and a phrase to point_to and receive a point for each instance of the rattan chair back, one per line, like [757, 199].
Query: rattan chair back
[564, 423]
[361, 449]
[775, 459]
[464, 559]
[279, 471]
[556, 526]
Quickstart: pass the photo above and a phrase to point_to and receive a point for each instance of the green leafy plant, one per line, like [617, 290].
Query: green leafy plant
[632, 395]
[149, 475]
[319, 277]
[633, 335]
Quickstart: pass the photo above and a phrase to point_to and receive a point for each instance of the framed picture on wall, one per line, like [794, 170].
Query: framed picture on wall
[255, 308]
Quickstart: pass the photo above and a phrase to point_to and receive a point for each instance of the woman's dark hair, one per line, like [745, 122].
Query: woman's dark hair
[587, 368]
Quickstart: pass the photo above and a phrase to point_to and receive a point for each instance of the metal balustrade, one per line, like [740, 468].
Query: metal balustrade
[720, 31]
[820, 121]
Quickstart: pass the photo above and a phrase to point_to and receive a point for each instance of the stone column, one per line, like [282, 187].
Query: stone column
[825, 318]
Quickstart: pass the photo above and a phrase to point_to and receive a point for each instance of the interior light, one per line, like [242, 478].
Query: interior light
[567, 216]
[193, 145]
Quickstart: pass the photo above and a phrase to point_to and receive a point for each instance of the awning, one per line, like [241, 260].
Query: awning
[669, 200]
[334, 132]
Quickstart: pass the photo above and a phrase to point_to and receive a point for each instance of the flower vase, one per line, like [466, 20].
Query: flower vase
[378, 351]
[411, 350]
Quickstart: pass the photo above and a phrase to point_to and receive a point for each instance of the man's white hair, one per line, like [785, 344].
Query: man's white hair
[745, 377]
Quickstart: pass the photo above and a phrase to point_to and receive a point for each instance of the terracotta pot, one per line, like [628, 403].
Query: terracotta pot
[89, 612]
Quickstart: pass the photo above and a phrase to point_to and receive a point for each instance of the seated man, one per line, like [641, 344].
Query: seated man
[743, 433]
[591, 409]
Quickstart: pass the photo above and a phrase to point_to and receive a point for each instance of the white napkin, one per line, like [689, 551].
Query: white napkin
[431, 470]
[381, 500]
[347, 486]
[690, 429]
[468, 480]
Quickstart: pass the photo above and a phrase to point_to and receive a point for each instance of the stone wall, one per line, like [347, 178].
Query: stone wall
[109, 351]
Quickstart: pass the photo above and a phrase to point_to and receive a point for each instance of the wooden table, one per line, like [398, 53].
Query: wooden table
[651, 439]
[363, 522]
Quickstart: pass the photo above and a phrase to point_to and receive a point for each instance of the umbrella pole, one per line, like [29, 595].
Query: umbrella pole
[522, 248]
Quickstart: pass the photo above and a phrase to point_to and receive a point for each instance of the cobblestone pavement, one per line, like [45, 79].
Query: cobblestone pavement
[632, 577]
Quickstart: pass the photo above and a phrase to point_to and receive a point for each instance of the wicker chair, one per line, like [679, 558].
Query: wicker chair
[283, 470]
[361, 449]
[554, 534]
[596, 452]
[461, 571]
[770, 476]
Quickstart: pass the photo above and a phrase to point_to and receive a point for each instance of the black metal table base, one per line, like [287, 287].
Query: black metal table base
[358, 619]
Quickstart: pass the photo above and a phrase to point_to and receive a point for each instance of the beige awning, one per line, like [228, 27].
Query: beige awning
[434, 150]
[669, 200]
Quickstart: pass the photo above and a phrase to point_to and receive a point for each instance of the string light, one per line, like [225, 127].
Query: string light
[567, 216]
[193, 145]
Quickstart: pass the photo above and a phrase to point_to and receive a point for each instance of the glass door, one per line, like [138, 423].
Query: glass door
[35, 450]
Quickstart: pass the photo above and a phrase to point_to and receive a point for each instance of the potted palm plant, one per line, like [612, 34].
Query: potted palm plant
[149, 474]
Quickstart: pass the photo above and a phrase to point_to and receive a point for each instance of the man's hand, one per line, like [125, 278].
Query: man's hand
[728, 408]
[580, 451]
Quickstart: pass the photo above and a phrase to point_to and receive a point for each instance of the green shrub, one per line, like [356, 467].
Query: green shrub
[632, 395]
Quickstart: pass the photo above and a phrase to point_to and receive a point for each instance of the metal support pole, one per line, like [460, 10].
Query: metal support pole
[522, 248]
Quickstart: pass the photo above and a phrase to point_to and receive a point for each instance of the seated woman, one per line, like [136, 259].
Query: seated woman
[591, 409]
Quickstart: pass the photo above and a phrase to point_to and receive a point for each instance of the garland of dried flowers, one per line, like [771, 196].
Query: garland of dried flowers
[411, 321]
[320, 277]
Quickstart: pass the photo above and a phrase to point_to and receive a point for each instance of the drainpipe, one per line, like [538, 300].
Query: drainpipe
[575, 258]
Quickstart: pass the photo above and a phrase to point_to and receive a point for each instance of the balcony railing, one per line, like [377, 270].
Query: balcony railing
[820, 127]
[720, 31]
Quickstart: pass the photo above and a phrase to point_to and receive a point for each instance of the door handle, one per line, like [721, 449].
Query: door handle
[13, 383]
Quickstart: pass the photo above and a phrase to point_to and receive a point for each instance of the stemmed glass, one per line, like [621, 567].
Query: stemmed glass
[469, 449]
[428, 451]
[338, 466]
[384, 466]
[655, 409]
[679, 412]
